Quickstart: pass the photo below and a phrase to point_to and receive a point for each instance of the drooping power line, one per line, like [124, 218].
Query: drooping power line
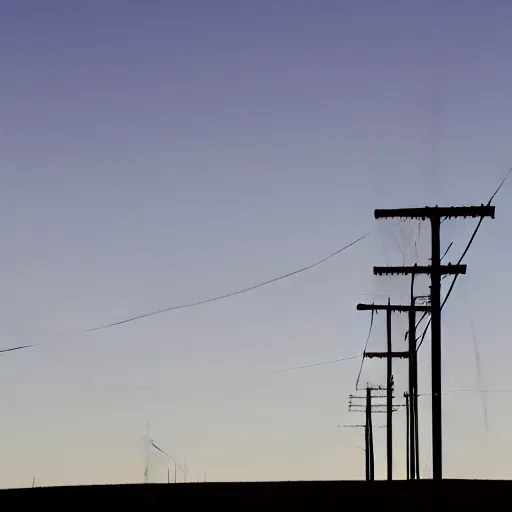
[471, 240]
[232, 294]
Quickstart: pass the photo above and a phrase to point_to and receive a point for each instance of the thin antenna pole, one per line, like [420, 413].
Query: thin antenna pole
[168, 476]
[148, 454]
[175, 470]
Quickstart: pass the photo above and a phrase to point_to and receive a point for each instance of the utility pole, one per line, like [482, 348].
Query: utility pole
[412, 389]
[370, 471]
[389, 398]
[408, 426]
[436, 270]
[366, 450]
[413, 361]
[175, 471]
[389, 355]
[369, 408]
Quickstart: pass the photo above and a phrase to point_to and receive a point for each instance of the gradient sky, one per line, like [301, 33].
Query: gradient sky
[155, 153]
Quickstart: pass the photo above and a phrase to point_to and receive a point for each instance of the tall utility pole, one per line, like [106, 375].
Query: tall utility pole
[436, 270]
[412, 390]
[389, 355]
[413, 370]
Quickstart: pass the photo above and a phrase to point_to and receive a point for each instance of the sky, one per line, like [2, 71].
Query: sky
[160, 153]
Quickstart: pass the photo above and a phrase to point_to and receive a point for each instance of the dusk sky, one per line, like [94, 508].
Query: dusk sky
[156, 153]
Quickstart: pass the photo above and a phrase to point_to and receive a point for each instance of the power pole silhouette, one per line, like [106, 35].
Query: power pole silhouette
[369, 409]
[389, 355]
[370, 456]
[436, 270]
[366, 450]
[408, 426]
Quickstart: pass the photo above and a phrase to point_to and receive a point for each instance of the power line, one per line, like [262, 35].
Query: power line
[484, 391]
[17, 348]
[365, 347]
[166, 454]
[155, 386]
[213, 299]
[232, 294]
[313, 365]
[471, 240]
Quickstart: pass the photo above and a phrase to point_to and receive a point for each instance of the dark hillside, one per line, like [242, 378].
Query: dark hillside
[466, 494]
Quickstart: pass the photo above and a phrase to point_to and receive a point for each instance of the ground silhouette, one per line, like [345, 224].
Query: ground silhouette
[398, 495]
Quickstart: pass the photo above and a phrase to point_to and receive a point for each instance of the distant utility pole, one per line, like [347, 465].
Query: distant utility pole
[370, 465]
[436, 270]
[408, 426]
[369, 408]
[366, 450]
[389, 355]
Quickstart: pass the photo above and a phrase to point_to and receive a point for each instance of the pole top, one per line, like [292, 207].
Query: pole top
[429, 212]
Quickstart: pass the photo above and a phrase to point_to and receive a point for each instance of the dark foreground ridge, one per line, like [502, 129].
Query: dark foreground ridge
[398, 495]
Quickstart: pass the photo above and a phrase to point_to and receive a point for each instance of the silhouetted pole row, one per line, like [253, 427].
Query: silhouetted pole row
[435, 270]
[389, 355]
[370, 408]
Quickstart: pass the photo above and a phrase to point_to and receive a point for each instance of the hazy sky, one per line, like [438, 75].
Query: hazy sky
[158, 152]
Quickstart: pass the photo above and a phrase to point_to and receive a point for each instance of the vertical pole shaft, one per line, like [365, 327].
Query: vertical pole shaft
[370, 435]
[407, 448]
[367, 434]
[389, 397]
[437, 446]
[416, 419]
[412, 349]
[175, 471]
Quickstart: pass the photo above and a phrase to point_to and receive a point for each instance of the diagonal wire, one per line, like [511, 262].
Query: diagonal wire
[364, 351]
[17, 348]
[165, 453]
[232, 294]
[454, 280]
[313, 365]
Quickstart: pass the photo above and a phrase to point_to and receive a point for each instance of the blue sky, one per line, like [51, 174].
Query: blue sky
[157, 153]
